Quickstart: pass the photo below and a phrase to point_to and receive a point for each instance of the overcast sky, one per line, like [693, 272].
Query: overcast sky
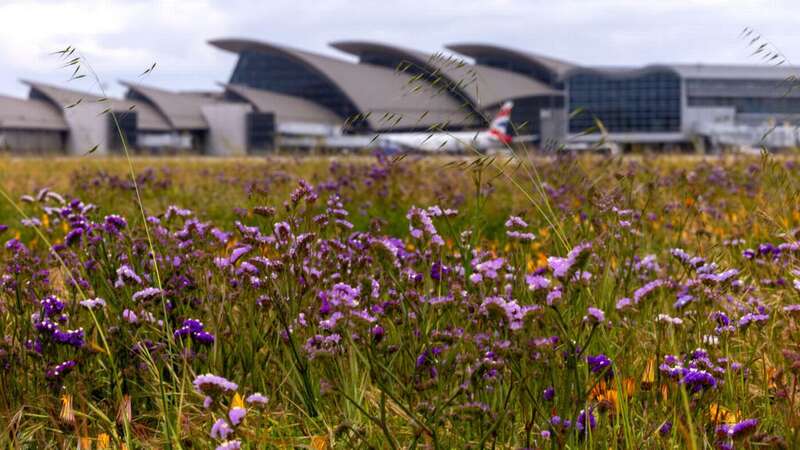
[122, 38]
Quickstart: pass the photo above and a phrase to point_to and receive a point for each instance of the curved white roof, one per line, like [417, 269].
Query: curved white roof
[30, 114]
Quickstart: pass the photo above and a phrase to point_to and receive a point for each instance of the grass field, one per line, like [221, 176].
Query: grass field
[648, 302]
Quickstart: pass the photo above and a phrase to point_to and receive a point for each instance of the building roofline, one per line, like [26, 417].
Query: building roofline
[239, 45]
[556, 67]
[182, 111]
[382, 97]
[460, 75]
[621, 72]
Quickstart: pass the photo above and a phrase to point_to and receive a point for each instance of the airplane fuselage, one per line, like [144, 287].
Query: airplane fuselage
[462, 141]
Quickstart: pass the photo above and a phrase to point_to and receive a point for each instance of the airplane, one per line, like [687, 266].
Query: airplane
[495, 137]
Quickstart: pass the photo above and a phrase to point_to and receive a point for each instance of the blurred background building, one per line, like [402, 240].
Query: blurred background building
[278, 96]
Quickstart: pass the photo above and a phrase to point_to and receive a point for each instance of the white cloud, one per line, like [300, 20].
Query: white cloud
[123, 37]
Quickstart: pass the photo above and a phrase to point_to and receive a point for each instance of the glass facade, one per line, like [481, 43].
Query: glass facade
[646, 103]
[713, 87]
[128, 124]
[260, 131]
[751, 105]
[279, 73]
[526, 115]
[747, 96]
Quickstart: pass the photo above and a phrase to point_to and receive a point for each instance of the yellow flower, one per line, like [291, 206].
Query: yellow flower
[664, 392]
[67, 413]
[237, 401]
[649, 374]
[720, 414]
[319, 443]
[542, 260]
[629, 384]
[103, 441]
[604, 396]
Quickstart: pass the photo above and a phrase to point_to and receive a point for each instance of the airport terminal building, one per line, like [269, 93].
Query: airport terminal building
[278, 96]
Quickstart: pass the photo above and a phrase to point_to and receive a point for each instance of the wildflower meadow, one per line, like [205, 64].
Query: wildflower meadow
[386, 302]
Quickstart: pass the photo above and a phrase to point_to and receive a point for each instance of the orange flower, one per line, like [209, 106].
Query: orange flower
[649, 374]
[607, 398]
[103, 441]
[629, 384]
[319, 443]
[720, 414]
[237, 401]
[67, 413]
[664, 392]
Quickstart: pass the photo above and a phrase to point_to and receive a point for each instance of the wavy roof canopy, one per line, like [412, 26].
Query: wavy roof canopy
[285, 107]
[557, 68]
[485, 87]
[696, 71]
[622, 71]
[22, 114]
[183, 111]
[148, 118]
[384, 95]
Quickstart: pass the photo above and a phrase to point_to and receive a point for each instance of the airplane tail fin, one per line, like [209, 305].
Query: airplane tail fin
[499, 125]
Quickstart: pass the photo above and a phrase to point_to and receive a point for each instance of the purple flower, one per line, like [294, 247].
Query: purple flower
[129, 316]
[644, 291]
[623, 304]
[515, 222]
[126, 274]
[256, 399]
[236, 414]
[115, 222]
[683, 300]
[599, 363]
[549, 393]
[70, 337]
[146, 294]
[61, 369]
[203, 337]
[553, 296]
[581, 423]
[93, 303]
[73, 237]
[665, 428]
[220, 429]
[536, 282]
[377, 333]
[213, 384]
[698, 380]
[737, 430]
[51, 305]
[230, 445]
[489, 268]
[238, 252]
[594, 316]
[563, 268]
[751, 318]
